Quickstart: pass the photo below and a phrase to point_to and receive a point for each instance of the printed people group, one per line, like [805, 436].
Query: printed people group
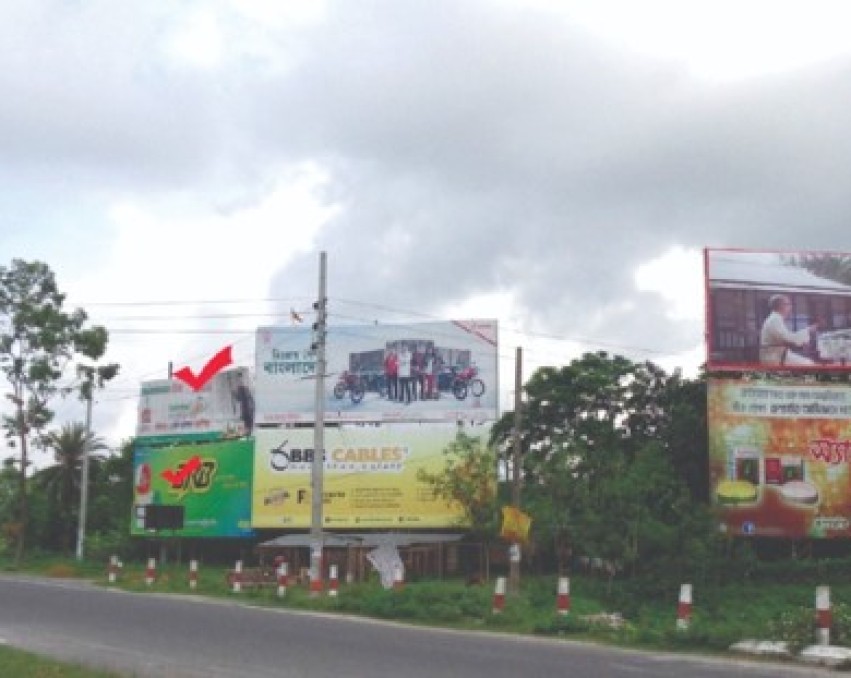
[411, 375]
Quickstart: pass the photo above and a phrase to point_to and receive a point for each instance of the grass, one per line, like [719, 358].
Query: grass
[27, 665]
[774, 607]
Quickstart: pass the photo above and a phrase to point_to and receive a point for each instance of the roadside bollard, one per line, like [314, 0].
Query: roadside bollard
[499, 596]
[283, 571]
[315, 580]
[193, 574]
[151, 572]
[237, 577]
[824, 617]
[684, 608]
[563, 596]
[398, 578]
[333, 583]
[113, 569]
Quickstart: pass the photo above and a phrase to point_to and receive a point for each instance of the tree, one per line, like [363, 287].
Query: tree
[62, 481]
[468, 480]
[826, 265]
[38, 340]
[600, 437]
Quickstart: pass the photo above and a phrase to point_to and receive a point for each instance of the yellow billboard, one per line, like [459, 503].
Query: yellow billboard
[369, 476]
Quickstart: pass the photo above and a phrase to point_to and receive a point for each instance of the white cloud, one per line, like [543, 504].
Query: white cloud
[718, 40]
[676, 276]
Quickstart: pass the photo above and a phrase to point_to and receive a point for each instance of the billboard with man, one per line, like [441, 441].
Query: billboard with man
[778, 311]
[169, 410]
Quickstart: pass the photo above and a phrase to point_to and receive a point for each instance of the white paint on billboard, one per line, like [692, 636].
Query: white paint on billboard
[440, 371]
[168, 407]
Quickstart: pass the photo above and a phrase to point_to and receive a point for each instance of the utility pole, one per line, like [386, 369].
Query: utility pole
[317, 467]
[514, 550]
[84, 481]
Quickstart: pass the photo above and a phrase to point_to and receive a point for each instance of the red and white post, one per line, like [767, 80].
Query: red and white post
[151, 572]
[333, 581]
[563, 596]
[193, 574]
[112, 572]
[237, 577]
[283, 575]
[398, 578]
[499, 596]
[316, 583]
[824, 616]
[684, 607]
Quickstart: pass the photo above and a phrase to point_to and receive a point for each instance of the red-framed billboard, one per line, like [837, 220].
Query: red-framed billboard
[778, 311]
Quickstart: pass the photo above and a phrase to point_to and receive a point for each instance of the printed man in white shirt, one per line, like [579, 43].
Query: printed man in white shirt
[776, 339]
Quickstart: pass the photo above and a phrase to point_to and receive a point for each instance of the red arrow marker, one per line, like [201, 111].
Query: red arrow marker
[215, 365]
[176, 478]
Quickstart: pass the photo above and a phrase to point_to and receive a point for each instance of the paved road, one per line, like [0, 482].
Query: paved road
[179, 637]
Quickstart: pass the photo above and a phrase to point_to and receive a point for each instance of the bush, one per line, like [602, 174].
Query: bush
[796, 626]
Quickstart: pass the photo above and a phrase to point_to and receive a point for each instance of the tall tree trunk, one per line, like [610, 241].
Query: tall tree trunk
[23, 506]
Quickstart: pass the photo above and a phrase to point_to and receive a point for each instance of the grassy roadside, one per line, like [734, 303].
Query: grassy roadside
[776, 608]
[27, 665]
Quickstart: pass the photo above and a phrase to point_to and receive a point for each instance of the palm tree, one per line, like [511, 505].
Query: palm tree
[61, 481]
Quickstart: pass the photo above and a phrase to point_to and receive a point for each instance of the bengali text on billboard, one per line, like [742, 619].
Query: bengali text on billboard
[370, 476]
[441, 371]
[774, 311]
[168, 409]
[210, 481]
[779, 457]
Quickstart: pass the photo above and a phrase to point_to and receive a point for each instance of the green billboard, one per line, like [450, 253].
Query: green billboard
[203, 490]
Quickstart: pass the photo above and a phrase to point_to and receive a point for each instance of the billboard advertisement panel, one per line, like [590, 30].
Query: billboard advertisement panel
[210, 481]
[778, 311]
[370, 476]
[779, 456]
[170, 410]
[441, 371]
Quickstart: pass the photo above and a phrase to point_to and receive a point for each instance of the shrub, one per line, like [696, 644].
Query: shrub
[796, 626]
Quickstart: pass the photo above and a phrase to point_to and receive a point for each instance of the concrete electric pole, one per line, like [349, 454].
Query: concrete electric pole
[317, 467]
[514, 550]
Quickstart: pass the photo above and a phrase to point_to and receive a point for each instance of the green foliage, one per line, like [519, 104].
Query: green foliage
[61, 482]
[28, 665]
[796, 626]
[614, 459]
[468, 479]
[37, 342]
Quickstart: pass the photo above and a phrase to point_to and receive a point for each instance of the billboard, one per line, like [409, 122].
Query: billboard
[369, 479]
[210, 481]
[170, 410]
[779, 456]
[440, 371]
[778, 311]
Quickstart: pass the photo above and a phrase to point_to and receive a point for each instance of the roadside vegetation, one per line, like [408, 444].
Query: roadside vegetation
[761, 601]
[28, 665]
[613, 468]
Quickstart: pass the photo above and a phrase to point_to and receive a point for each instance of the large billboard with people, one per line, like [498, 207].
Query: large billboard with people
[439, 371]
[779, 457]
[778, 311]
[193, 490]
[370, 476]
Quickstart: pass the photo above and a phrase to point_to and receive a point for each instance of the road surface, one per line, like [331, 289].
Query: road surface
[148, 634]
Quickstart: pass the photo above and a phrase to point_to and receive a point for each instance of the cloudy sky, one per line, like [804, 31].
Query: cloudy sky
[556, 165]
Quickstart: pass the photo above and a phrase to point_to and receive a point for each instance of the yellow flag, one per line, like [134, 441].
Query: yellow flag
[515, 524]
